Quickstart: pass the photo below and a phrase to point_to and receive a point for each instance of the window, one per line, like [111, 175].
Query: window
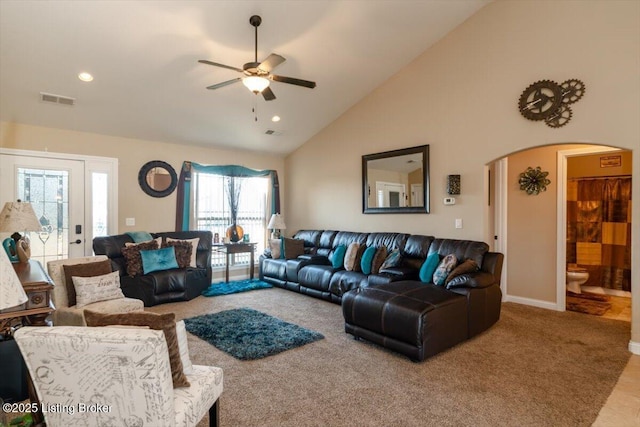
[212, 213]
[100, 203]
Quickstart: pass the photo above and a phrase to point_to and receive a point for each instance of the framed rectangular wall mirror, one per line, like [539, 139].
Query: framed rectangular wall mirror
[396, 181]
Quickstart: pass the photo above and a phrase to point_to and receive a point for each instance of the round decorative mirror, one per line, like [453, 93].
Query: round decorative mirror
[157, 178]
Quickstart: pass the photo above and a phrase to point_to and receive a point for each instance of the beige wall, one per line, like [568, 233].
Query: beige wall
[151, 214]
[581, 166]
[532, 227]
[460, 96]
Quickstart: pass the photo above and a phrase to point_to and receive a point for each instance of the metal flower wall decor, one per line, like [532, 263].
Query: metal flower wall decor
[533, 181]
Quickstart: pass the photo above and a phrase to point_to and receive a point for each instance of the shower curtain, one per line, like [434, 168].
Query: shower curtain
[599, 230]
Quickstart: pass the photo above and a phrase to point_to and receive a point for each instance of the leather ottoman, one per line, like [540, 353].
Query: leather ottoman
[413, 318]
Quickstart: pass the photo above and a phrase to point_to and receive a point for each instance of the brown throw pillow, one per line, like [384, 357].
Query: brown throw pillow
[468, 266]
[378, 259]
[89, 269]
[293, 248]
[183, 252]
[132, 256]
[160, 322]
[352, 256]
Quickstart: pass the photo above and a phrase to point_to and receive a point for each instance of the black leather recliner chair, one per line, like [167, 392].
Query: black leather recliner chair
[159, 287]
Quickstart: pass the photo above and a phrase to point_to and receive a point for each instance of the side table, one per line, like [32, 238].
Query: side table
[236, 248]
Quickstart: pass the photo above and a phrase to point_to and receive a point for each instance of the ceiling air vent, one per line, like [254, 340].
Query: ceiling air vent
[56, 99]
[273, 132]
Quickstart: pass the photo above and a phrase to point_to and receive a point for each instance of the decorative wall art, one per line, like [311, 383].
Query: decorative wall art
[549, 101]
[533, 181]
[453, 185]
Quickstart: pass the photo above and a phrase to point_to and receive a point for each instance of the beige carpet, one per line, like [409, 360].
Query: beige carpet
[535, 367]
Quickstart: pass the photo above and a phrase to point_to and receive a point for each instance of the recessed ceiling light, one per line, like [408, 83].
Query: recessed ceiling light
[85, 77]
[275, 118]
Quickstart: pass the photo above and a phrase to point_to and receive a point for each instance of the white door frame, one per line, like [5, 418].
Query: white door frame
[107, 165]
[500, 244]
[561, 227]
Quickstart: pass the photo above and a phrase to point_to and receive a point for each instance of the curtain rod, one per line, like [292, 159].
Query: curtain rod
[599, 177]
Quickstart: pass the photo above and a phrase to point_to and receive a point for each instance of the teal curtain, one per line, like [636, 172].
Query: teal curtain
[183, 215]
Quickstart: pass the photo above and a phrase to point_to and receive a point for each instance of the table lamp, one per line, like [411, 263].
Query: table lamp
[276, 224]
[15, 217]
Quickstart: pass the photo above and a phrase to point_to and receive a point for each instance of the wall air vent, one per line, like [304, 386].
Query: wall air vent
[56, 99]
[273, 132]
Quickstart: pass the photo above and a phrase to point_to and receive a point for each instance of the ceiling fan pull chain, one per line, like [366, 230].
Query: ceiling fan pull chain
[255, 108]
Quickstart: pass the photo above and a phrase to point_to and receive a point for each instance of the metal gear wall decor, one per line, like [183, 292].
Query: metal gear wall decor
[549, 101]
[533, 181]
[540, 100]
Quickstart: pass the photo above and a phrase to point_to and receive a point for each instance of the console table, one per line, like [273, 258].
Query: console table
[236, 248]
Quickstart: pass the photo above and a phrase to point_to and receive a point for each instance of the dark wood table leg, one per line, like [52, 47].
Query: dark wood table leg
[226, 271]
[251, 263]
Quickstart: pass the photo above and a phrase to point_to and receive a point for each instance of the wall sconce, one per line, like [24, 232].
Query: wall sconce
[453, 185]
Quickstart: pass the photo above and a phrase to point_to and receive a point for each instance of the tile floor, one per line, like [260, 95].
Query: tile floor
[620, 309]
[623, 405]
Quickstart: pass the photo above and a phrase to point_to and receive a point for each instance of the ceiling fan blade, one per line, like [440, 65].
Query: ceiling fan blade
[271, 62]
[291, 80]
[267, 94]
[228, 82]
[215, 64]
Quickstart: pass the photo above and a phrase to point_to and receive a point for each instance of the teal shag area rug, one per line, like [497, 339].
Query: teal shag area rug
[248, 334]
[216, 289]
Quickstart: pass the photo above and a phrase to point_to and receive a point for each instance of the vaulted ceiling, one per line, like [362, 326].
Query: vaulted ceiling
[149, 85]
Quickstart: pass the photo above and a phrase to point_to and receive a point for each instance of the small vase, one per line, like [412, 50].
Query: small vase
[235, 233]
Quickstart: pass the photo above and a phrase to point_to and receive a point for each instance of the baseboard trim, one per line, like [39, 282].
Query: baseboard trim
[533, 302]
[634, 347]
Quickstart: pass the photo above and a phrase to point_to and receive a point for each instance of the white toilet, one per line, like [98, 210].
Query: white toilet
[576, 276]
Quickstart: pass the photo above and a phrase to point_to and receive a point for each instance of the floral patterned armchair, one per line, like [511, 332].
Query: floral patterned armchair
[114, 376]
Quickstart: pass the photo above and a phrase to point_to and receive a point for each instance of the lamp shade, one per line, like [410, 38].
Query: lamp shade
[276, 222]
[11, 290]
[18, 216]
[255, 84]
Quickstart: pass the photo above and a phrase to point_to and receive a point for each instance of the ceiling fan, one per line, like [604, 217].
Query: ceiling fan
[257, 75]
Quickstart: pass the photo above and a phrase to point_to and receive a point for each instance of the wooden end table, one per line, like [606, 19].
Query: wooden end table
[236, 248]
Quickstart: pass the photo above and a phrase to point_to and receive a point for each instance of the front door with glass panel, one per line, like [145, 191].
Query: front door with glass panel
[55, 189]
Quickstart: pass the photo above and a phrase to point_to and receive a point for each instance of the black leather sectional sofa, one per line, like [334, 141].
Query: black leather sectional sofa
[393, 308]
[159, 287]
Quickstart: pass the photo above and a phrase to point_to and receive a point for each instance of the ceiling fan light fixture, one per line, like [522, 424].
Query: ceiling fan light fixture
[255, 84]
[85, 77]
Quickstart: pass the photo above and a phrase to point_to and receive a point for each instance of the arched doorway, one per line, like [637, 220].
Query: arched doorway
[532, 230]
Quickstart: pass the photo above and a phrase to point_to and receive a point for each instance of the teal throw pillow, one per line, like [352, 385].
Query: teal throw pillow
[337, 259]
[393, 260]
[367, 259]
[429, 267]
[445, 267]
[158, 259]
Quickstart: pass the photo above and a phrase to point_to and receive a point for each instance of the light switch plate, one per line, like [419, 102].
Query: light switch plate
[449, 200]
[458, 222]
[130, 222]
